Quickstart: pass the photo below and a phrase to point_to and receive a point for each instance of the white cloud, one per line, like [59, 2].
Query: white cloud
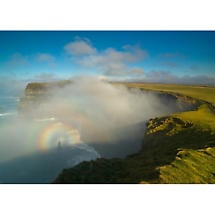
[110, 62]
[137, 71]
[160, 76]
[112, 56]
[79, 47]
[199, 79]
[18, 59]
[136, 51]
[44, 76]
[44, 57]
[113, 62]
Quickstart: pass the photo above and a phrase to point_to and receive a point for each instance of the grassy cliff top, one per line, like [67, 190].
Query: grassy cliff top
[179, 148]
[43, 86]
[205, 93]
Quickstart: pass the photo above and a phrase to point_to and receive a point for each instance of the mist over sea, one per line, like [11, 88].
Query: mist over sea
[83, 121]
[20, 160]
[8, 106]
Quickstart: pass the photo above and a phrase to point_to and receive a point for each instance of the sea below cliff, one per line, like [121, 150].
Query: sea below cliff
[36, 147]
[25, 153]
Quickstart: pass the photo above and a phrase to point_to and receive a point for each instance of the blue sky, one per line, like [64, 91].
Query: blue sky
[155, 56]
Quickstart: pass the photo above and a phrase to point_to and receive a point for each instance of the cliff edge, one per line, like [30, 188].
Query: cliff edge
[36, 93]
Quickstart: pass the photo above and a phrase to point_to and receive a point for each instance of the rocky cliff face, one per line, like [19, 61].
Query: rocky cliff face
[140, 167]
[158, 149]
[37, 93]
[175, 149]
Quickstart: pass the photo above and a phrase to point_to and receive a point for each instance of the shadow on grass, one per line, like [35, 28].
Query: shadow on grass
[159, 148]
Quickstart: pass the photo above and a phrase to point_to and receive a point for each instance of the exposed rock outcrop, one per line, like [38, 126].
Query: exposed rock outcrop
[37, 93]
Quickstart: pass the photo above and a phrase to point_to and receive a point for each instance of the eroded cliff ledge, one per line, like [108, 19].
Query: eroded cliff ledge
[36, 93]
[179, 148]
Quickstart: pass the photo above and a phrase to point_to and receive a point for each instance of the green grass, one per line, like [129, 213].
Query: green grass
[190, 166]
[195, 161]
[204, 118]
[198, 92]
[36, 87]
[192, 163]
[179, 148]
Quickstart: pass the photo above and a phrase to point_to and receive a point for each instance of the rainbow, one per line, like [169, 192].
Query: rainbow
[51, 135]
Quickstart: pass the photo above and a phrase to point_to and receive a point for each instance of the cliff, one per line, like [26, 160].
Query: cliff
[179, 148]
[36, 93]
[176, 149]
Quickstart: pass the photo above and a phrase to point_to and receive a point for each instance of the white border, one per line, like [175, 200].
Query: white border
[107, 15]
[106, 200]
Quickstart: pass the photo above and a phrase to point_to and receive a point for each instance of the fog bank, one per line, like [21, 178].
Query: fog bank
[91, 117]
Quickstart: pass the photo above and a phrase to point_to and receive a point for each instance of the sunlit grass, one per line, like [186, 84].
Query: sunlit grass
[179, 148]
[190, 166]
[199, 92]
[203, 117]
[194, 161]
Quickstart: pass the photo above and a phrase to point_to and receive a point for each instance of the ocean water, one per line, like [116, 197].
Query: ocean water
[8, 106]
[36, 150]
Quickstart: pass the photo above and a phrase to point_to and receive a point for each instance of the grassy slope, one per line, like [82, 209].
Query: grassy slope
[194, 163]
[177, 149]
[199, 92]
[193, 137]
